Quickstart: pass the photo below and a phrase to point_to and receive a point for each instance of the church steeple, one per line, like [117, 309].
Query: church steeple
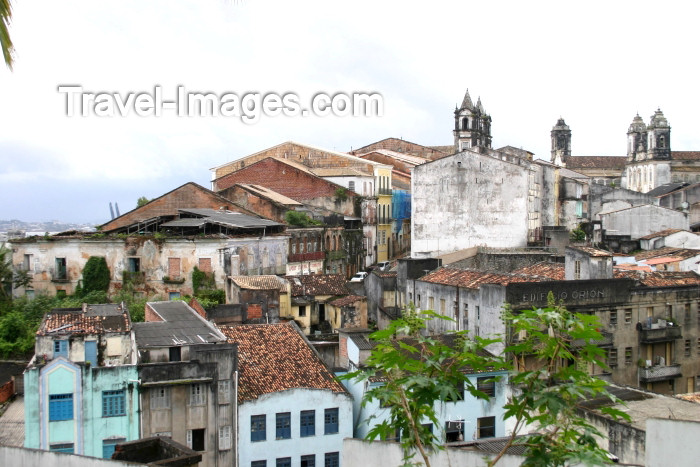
[472, 125]
[561, 143]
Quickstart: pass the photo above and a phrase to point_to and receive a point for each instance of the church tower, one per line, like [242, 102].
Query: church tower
[659, 137]
[561, 143]
[636, 140]
[472, 125]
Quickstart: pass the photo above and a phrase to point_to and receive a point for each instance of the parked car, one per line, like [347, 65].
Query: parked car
[384, 265]
[359, 277]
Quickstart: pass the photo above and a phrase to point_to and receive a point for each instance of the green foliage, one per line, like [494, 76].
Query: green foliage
[299, 219]
[577, 235]
[142, 201]
[202, 280]
[211, 296]
[341, 194]
[5, 41]
[96, 276]
[421, 372]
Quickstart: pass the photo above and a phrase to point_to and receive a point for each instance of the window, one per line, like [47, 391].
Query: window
[351, 186]
[108, 446]
[332, 459]
[27, 263]
[478, 312]
[487, 385]
[174, 354]
[113, 403]
[160, 398]
[687, 314]
[418, 304]
[224, 391]
[205, 264]
[459, 388]
[283, 462]
[307, 423]
[167, 434]
[431, 303]
[577, 270]
[628, 315]
[258, 464]
[612, 357]
[442, 306]
[60, 348]
[225, 437]
[174, 268]
[133, 264]
[308, 460]
[173, 296]
[302, 310]
[613, 317]
[60, 407]
[61, 272]
[198, 396]
[486, 427]
[283, 426]
[687, 347]
[330, 421]
[195, 439]
[628, 355]
[258, 428]
[454, 431]
[62, 447]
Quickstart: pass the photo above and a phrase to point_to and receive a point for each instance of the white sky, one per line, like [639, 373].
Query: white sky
[595, 63]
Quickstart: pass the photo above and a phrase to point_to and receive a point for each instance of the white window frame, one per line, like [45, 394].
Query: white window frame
[224, 437]
[198, 395]
[224, 389]
[160, 398]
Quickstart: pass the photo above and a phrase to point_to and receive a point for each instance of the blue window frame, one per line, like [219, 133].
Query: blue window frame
[108, 446]
[283, 425]
[62, 447]
[60, 348]
[330, 420]
[283, 462]
[332, 459]
[308, 460]
[113, 403]
[60, 407]
[258, 464]
[307, 423]
[258, 428]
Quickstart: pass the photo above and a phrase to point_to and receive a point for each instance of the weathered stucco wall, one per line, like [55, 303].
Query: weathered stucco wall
[468, 199]
[643, 220]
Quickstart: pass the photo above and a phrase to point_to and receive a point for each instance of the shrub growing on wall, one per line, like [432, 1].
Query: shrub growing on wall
[96, 275]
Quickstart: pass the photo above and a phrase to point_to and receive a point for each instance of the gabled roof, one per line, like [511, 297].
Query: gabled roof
[345, 301]
[590, 251]
[221, 217]
[180, 325]
[318, 284]
[91, 319]
[471, 279]
[276, 357]
[596, 162]
[661, 234]
[264, 282]
[394, 142]
[408, 158]
[666, 188]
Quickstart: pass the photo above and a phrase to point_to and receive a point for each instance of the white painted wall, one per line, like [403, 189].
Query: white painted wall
[294, 401]
[672, 442]
[640, 221]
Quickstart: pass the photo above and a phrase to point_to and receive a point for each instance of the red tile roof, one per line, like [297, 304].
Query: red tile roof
[596, 162]
[554, 271]
[590, 251]
[318, 284]
[345, 301]
[77, 322]
[670, 279]
[685, 155]
[662, 233]
[276, 357]
[473, 279]
[683, 253]
[266, 282]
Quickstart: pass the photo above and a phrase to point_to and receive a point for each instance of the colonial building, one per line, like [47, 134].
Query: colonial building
[472, 125]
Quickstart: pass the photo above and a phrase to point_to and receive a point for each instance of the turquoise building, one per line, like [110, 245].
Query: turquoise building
[81, 388]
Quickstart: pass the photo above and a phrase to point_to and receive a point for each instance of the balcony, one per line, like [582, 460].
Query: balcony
[655, 373]
[384, 191]
[606, 340]
[313, 256]
[660, 331]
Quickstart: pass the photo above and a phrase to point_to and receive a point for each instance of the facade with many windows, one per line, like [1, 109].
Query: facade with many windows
[288, 415]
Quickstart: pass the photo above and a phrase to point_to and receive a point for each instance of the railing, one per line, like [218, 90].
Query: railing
[384, 191]
[313, 256]
[338, 254]
[659, 373]
[650, 335]
[606, 340]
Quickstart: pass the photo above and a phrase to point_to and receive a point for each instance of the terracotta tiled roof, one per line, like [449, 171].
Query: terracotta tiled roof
[275, 357]
[663, 233]
[268, 282]
[590, 251]
[683, 253]
[473, 279]
[345, 301]
[58, 322]
[596, 162]
[670, 279]
[554, 271]
[663, 259]
[685, 155]
[318, 284]
[385, 273]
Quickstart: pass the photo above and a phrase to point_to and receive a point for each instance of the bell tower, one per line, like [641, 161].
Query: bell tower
[659, 137]
[472, 125]
[636, 140]
[561, 143]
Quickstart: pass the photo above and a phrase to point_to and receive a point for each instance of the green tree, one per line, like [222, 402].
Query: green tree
[96, 276]
[548, 392]
[5, 41]
[142, 201]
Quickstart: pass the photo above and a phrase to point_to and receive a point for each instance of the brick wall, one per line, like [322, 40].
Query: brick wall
[254, 312]
[196, 306]
[252, 202]
[150, 314]
[7, 390]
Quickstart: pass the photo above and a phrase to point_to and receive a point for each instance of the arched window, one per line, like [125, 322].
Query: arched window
[465, 124]
[662, 141]
[301, 246]
[334, 245]
[328, 242]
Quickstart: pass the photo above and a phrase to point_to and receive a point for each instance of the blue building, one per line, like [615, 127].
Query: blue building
[80, 391]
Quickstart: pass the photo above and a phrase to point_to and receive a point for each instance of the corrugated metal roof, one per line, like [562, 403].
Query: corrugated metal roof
[229, 218]
[181, 326]
[187, 222]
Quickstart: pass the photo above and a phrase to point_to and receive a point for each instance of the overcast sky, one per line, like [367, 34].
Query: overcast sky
[594, 63]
